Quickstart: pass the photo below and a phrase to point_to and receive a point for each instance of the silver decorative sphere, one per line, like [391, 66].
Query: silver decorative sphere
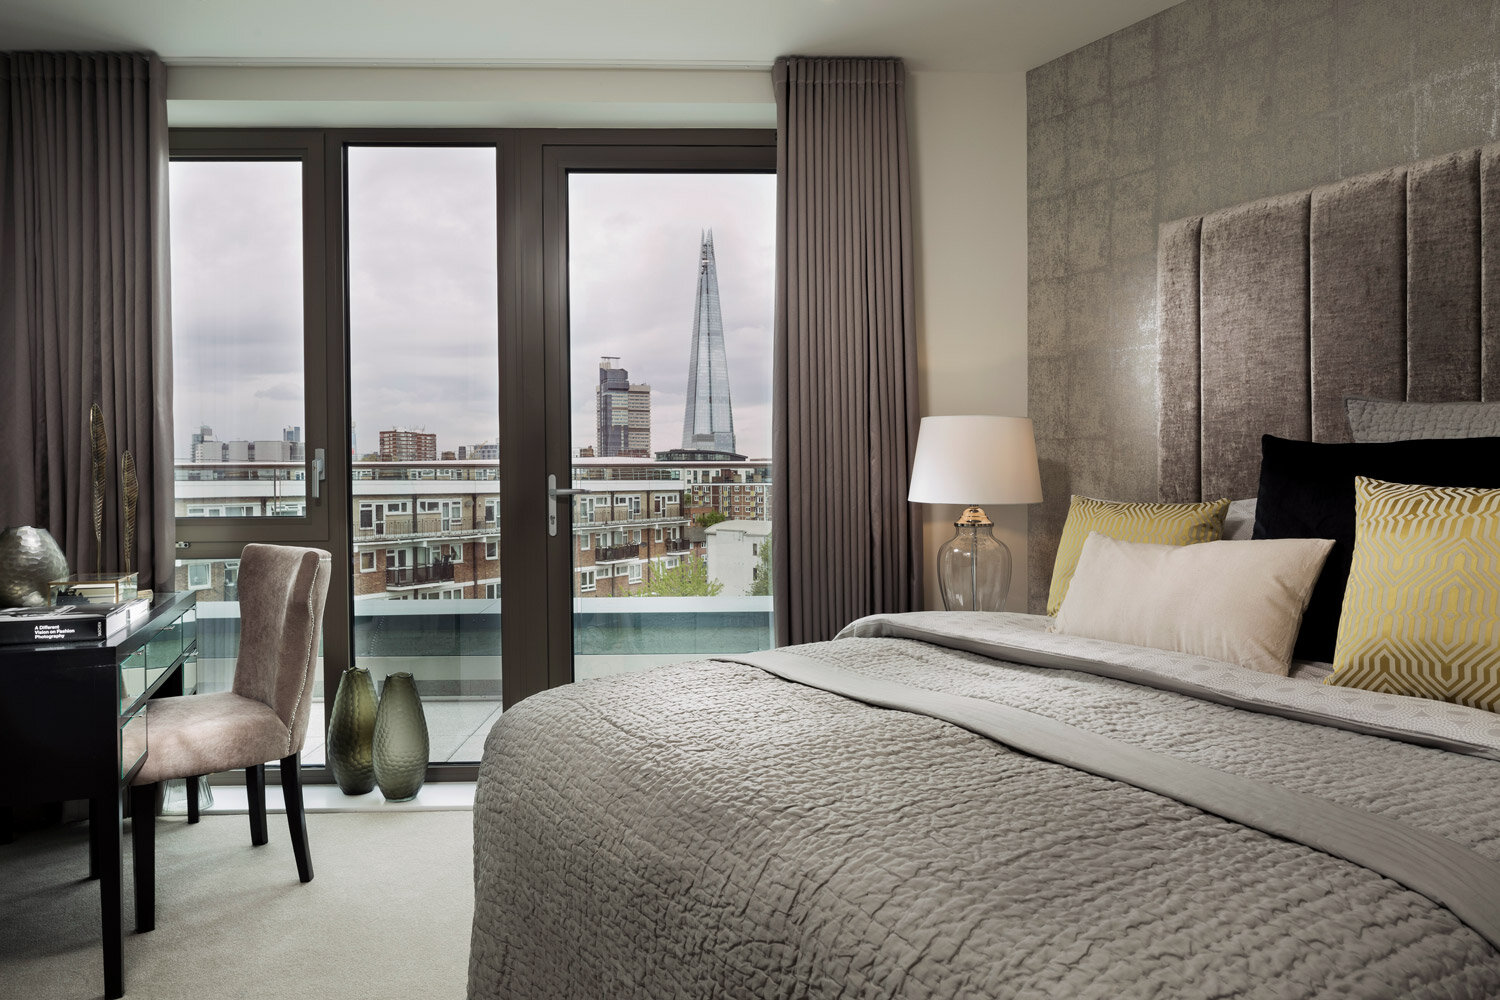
[29, 560]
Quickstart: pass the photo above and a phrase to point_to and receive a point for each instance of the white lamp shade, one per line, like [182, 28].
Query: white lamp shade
[975, 460]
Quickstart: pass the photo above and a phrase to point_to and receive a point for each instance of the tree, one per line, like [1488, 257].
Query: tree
[688, 578]
[761, 586]
[710, 518]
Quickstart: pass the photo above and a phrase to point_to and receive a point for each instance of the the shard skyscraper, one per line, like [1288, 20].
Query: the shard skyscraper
[708, 423]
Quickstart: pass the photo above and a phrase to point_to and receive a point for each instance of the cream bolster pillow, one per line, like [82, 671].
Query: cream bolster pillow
[1236, 601]
[1162, 523]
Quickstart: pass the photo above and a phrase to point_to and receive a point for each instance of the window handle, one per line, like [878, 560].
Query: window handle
[319, 473]
[552, 494]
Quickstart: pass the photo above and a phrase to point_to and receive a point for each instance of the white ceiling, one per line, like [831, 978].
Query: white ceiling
[983, 35]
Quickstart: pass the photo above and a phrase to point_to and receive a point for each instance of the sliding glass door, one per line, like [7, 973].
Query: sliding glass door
[670, 295]
[252, 419]
[424, 394]
[481, 315]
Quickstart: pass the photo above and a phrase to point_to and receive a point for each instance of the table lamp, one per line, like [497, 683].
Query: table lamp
[975, 460]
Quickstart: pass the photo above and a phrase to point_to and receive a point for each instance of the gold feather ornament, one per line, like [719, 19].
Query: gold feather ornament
[130, 491]
[99, 444]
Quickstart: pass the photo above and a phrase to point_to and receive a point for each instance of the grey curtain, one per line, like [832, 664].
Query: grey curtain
[84, 299]
[846, 543]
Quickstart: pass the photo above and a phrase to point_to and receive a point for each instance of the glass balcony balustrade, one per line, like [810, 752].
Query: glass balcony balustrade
[439, 617]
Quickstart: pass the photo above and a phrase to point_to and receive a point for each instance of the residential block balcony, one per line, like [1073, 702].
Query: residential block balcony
[417, 576]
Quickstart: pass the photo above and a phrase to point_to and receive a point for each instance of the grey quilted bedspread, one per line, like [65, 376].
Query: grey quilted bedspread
[709, 830]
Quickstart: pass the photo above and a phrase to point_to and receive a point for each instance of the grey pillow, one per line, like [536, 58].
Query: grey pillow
[1239, 521]
[1375, 421]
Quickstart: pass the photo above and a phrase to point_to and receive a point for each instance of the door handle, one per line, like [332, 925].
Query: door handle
[552, 494]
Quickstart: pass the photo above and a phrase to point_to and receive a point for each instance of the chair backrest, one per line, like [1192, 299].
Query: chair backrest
[282, 592]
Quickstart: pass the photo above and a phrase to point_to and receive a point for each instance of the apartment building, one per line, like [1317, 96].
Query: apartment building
[431, 530]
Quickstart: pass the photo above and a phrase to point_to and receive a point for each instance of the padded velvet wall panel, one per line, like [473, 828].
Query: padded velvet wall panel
[1357, 240]
[1442, 278]
[1396, 277]
[1254, 369]
[1489, 271]
[1177, 293]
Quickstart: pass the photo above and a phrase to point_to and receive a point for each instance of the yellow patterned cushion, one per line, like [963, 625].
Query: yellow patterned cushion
[1422, 609]
[1160, 523]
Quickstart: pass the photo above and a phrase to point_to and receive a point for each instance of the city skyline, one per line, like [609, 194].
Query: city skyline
[423, 291]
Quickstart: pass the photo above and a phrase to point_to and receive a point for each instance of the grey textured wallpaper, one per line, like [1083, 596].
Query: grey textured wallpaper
[1206, 105]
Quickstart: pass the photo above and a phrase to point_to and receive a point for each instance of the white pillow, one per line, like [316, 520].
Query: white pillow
[1236, 601]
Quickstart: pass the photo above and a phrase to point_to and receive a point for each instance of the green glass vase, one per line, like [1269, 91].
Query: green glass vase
[400, 739]
[351, 732]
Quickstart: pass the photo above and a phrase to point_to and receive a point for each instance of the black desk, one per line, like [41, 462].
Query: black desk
[73, 725]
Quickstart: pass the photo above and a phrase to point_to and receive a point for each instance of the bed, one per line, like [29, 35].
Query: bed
[950, 805]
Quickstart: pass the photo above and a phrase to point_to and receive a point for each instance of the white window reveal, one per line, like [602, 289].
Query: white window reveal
[367, 562]
[586, 580]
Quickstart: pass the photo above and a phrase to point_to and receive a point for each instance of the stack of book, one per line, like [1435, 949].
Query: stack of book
[69, 623]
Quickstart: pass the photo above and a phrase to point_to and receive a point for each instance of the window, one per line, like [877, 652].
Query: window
[755, 548]
[637, 537]
[623, 569]
[200, 575]
[583, 541]
[491, 550]
[491, 510]
[492, 591]
[658, 534]
[601, 540]
[240, 250]
[367, 562]
[586, 580]
[635, 572]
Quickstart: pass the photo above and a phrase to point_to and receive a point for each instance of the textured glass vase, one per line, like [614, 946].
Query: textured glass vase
[974, 566]
[400, 739]
[351, 732]
[29, 560]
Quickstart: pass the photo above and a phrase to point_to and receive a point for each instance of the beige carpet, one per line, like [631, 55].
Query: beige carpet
[386, 915]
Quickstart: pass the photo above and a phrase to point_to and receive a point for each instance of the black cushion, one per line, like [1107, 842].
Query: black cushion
[1307, 491]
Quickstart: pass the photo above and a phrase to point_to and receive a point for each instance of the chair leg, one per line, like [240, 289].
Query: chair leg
[192, 798]
[296, 817]
[255, 791]
[143, 850]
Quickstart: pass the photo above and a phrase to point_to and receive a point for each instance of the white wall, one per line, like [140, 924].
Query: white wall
[968, 152]
[391, 96]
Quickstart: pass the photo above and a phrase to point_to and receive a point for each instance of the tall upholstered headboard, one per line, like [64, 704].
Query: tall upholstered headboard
[1385, 285]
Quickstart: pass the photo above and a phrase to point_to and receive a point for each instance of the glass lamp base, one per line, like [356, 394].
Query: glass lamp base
[974, 566]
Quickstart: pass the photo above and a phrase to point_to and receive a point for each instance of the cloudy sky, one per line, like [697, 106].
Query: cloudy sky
[423, 294]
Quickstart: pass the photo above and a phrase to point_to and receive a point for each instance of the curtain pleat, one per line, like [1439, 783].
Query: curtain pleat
[847, 543]
[85, 309]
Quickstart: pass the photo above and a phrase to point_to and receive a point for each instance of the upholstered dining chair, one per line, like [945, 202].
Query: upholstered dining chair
[282, 590]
